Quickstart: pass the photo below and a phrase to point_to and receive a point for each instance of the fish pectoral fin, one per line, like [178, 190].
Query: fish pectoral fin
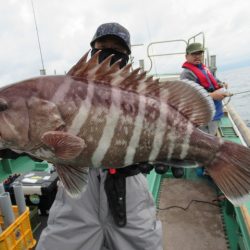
[74, 179]
[65, 146]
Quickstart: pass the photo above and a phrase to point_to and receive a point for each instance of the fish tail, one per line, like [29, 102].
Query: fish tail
[230, 169]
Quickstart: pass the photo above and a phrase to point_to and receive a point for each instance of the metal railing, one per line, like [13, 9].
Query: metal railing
[150, 56]
[194, 38]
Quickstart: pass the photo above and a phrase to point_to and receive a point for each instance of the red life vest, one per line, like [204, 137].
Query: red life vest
[201, 77]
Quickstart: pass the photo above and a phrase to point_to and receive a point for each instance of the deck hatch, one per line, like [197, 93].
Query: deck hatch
[227, 132]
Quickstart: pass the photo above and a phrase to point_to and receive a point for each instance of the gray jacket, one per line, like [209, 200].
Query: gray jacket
[188, 74]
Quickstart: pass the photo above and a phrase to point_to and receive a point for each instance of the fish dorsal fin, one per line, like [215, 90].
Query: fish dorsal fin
[142, 75]
[117, 77]
[108, 75]
[149, 79]
[188, 97]
[130, 81]
[90, 68]
[84, 68]
[76, 70]
[102, 72]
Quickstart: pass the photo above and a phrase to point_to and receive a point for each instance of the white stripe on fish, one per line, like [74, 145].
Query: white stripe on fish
[10, 125]
[172, 136]
[62, 90]
[83, 112]
[134, 141]
[161, 125]
[185, 145]
[109, 129]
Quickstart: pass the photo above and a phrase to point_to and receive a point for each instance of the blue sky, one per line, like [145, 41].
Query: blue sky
[66, 27]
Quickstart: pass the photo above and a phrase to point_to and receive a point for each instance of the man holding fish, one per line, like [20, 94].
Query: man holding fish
[116, 210]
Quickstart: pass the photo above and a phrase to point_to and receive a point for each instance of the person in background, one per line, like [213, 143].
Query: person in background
[116, 211]
[195, 70]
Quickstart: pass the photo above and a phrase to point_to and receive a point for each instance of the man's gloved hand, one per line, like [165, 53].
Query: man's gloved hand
[161, 168]
[145, 168]
[177, 172]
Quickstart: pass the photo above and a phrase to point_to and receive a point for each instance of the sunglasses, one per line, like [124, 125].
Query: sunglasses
[198, 53]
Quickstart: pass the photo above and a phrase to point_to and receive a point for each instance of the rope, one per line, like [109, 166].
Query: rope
[189, 204]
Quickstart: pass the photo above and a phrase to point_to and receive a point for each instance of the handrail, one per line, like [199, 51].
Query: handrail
[191, 39]
[166, 54]
[131, 57]
[196, 35]
[240, 124]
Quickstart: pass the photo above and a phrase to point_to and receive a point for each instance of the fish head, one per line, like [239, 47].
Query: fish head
[14, 120]
[26, 113]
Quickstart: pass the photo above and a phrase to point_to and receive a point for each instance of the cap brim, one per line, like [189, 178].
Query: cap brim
[194, 51]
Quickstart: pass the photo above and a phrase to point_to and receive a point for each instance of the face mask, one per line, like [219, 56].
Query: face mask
[116, 56]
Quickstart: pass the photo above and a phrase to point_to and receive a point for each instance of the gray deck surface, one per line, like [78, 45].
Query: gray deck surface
[200, 226]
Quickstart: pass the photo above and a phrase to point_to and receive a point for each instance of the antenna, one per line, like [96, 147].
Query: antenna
[42, 71]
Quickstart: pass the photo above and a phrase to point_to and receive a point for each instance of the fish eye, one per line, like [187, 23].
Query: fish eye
[3, 104]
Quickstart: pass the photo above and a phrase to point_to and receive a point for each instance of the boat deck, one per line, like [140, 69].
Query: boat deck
[200, 226]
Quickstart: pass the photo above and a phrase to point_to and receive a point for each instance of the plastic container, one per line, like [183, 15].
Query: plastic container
[39, 189]
[18, 236]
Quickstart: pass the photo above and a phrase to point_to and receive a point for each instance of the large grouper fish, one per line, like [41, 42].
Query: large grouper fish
[101, 116]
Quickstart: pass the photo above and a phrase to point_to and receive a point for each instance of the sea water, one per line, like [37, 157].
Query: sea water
[238, 81]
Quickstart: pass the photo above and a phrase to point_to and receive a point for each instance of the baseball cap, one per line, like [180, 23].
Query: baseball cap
[113, 29]
[194, 47]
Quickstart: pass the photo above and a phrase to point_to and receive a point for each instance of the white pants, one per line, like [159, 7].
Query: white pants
[86, 223]
[211, 128]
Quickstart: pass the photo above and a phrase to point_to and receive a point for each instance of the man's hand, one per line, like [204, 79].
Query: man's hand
[219, 94]
[223, 85]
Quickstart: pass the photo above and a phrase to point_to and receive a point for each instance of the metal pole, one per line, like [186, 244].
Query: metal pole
[1, 191]
[141, 63]
[212, 66]
[6, 208]
[19, 196]
[1, 188]
[42, 71]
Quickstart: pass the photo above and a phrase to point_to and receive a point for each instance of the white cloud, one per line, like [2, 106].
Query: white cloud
[66, 27]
